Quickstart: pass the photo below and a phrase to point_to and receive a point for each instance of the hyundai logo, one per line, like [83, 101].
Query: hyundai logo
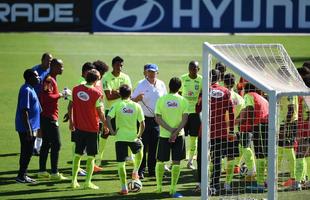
[114, 14]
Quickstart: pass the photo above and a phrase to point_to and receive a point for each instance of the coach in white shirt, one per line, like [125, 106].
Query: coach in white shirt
[146, 94]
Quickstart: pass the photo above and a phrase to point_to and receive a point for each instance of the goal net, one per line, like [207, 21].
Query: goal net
[255, 127]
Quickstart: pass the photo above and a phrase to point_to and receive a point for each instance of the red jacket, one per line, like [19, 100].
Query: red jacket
[49, 98]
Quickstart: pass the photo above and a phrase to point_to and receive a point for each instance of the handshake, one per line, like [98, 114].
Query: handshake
[66, 93]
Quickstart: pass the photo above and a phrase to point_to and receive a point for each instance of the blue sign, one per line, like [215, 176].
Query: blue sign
[269, 16]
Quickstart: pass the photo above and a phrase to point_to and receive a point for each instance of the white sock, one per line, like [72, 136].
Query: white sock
[38, 143]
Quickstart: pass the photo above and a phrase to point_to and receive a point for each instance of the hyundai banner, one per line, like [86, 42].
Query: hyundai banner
[45, 15]
[286, 16]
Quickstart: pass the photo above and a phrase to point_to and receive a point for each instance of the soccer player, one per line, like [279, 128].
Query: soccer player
[222, 137]
[27, 122]
[288, 114]
[84, 118]
[146, 94]
[254, 120]
[111, 83]
[126, 113]
[238, 104]
[303, 138]
[102, 67]
[191, 88]
[171, 114]
[42, 69]
[49, 97]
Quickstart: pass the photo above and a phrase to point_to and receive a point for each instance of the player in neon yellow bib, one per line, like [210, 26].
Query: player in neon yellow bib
[171, 114]
[126, 113]
[190, 89]
[288, 114]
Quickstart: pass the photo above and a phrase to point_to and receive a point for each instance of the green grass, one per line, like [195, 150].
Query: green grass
[171, 53]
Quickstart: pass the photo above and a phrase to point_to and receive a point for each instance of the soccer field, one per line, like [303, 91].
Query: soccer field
[172, 54]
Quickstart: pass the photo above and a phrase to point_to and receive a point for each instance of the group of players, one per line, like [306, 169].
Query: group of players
[153, 123]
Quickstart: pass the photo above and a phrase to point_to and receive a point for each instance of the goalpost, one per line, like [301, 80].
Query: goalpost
[269, 68]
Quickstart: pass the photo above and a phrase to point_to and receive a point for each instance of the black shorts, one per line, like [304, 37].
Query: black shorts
[86, 140]
[177, 149]
[245, 139]
[287, 136]
[73, 136]
[260, 140]
[193, 124]
[105, 136]
[50, 131]
[221, 147]
[121, 149]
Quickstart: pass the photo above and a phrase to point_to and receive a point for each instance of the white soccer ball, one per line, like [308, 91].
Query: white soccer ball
[134, 185]
[243, 170]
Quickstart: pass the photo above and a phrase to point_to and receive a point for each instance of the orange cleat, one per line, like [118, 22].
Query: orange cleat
[97, 168]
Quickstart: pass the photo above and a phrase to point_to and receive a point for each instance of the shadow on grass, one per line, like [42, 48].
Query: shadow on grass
[9, 154]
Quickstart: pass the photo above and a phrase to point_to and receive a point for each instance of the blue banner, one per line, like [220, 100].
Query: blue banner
[259, 16]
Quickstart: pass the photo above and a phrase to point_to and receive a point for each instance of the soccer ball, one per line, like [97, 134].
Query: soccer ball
[134, 185]
[243, 170]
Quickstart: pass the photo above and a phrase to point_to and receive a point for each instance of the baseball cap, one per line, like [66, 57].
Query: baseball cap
[152, 67]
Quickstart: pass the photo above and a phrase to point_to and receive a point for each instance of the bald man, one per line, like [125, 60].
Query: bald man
[49, 97]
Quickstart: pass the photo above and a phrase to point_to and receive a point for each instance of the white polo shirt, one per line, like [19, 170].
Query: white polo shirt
[151, 94]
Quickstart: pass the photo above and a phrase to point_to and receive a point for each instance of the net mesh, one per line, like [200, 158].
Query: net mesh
[239, 120]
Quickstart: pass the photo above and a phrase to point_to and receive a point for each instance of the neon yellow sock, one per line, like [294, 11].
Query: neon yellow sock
[89, 168]
[102, 144]
[192, 147]
[307, 172]
[73, 150]
[260, 169]
[122, 173]
[75, 167]
[289, 153]
[137, 160]
[238, 159]
[159, 171]
[249, 158]
[299, 168]
[230, 170]
[175, 174]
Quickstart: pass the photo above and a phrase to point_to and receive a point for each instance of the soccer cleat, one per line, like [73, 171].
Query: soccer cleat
[135, 176]
[289, 182]
[58, 177]
[190, 166]
[227, 187]
[176, 195]
[141, 176]
[25, 179]
[91, 186]
[43, 175]
[123, 192]
[212, 191]
[197, 189]
[82, 172]
[296, 185]
[75, 185]
[97, 168]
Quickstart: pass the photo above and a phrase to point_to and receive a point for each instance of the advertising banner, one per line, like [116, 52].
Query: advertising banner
[47, 15]
[261, 16]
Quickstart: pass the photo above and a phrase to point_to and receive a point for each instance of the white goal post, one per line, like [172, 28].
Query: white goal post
[258, 64]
